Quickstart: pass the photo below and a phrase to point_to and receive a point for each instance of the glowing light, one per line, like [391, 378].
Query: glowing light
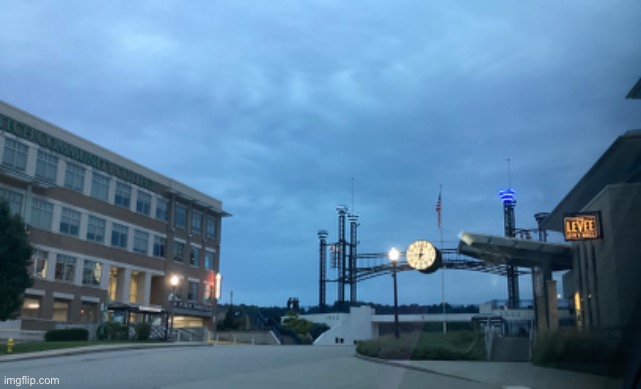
[219, 278]
[508, 196]
[393, 254]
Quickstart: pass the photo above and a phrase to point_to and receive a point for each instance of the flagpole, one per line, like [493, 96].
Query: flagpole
[439, 209]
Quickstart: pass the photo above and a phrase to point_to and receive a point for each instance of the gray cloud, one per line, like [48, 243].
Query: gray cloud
[274, 106]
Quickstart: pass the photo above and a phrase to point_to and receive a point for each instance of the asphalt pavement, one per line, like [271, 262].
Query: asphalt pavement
[509, 375]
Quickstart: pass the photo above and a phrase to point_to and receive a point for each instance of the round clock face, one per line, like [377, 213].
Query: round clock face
[421, 254]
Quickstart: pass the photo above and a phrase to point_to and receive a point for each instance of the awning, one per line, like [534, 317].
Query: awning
[136, 308]
[517, 252]
[620, 164]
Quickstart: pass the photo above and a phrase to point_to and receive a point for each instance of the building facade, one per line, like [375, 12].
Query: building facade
[106, 231]
[603, 282]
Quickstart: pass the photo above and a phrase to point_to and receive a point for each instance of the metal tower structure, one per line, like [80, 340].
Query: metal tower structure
[509, 203]
[322, 292]
[540, 217]
[352, 267]
[353, 243]
[343, 258]
[341, 252]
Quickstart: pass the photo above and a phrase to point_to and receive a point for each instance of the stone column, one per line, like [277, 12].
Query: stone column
[552, 306]
[122, 285]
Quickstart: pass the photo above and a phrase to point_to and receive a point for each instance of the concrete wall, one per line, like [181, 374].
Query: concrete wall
[345, 329]
[246, 337]
[10, 329]
[362, 324]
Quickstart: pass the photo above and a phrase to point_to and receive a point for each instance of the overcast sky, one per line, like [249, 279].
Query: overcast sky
[274, 106]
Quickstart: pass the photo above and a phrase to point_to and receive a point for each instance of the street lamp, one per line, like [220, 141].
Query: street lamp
[393, 257]
[174, 282]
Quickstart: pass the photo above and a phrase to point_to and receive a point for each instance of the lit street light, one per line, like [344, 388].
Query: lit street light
[393, 257]
[174, 282]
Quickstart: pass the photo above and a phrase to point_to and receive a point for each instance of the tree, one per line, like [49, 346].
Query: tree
[15, 260]
[229, 323]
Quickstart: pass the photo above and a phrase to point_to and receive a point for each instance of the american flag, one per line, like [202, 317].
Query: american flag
[438, 209]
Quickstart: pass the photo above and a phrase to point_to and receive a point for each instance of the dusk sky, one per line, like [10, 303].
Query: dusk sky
[274, 106]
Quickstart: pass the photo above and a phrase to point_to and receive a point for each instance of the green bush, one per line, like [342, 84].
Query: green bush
[318, 329]
[67, 334]
[586, 351]
[112, 331]
[463, 345]
[143, 331]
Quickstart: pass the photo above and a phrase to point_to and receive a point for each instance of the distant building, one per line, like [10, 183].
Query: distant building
[108, 233]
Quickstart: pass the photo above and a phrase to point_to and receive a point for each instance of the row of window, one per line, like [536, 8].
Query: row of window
[31, 308]
[15, 156]
[66, 266]
[97, 231]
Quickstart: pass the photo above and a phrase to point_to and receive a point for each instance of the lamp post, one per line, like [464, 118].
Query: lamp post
[174, 282]
[393, 257]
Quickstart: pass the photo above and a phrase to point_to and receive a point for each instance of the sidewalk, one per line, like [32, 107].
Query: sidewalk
[515, 375]
[95, 349]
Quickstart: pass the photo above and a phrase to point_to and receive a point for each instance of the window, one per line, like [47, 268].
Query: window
[194, 258]
[119, 235]
[88, 312]
[123, 195]
[211, 227]
[100, 186]
[141, 241]
[181, 216]
[46, 166]
[60, 310]
[209, 260]
[70, 222]
[75, 177]
[15, 154]
[161, 209]
[65, 268]
[179, 250]
[159, 246]
[196, 222]
[40, 263]
[14, 199]
[41, 214]
[209, 290]
[91, 273]
[192, 294]
[96, 229]
[143, 203]
[31, 307]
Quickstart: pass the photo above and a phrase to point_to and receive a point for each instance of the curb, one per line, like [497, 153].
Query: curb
[415, 368]
[91, 350]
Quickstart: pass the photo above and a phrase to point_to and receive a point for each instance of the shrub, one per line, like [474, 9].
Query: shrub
[464, 345]
[143, 331]
[112, 331]
[67, 334]
[586, 351]
[318, 329]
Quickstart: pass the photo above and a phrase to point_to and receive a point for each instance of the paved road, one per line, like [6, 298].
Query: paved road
[266, 367]
[263, 367]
